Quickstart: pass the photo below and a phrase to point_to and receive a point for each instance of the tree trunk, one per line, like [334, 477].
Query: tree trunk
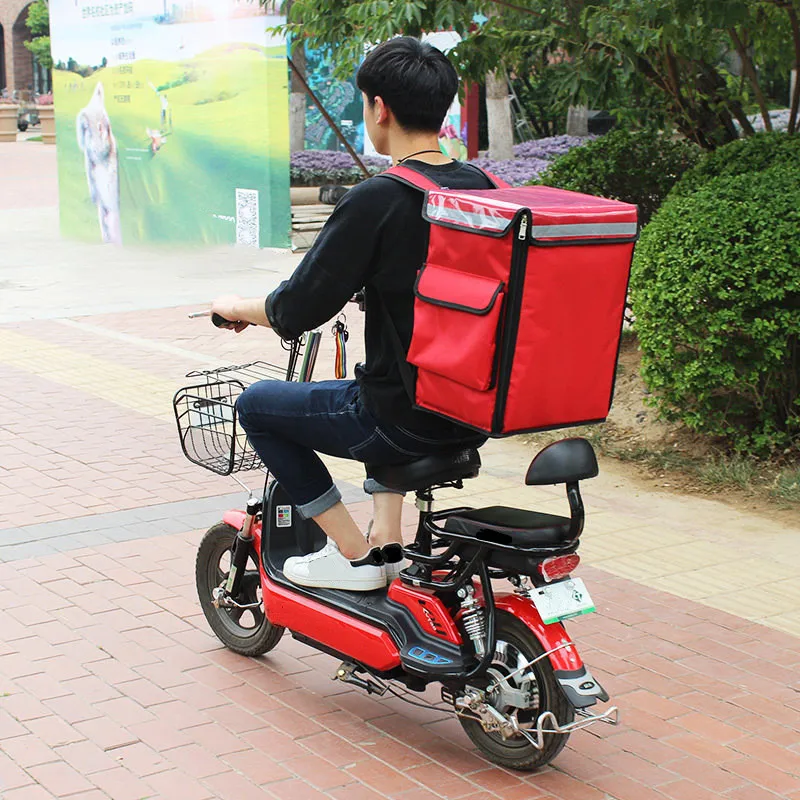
[795, 83]
[297, 95]
[498, 115]
[750, 70]
[578, 121]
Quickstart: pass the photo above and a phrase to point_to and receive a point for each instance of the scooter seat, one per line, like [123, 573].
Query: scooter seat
[422, 473]
[511, 526]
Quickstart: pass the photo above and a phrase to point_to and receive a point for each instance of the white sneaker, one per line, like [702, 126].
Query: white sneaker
[390, 569]
[329, 569]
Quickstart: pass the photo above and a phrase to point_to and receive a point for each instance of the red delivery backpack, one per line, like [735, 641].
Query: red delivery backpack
[519, 305]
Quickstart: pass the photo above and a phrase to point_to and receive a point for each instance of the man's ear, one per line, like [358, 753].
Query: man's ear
[381, 110]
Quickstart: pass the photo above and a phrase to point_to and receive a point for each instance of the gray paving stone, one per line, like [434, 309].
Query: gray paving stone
[47, 530]
[16, 552]
[47, 538]
[128, 533]
[205, 519]
[10, 536]
[88, 539]
[101, 522]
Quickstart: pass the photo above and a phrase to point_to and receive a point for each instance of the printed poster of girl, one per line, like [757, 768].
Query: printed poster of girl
[450, 140]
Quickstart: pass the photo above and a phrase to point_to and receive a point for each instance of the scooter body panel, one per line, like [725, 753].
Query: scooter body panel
[370, 628]
[333, 629]
[428, 610]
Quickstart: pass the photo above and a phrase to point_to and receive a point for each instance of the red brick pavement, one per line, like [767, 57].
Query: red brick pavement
[111, 685]
[92, 456]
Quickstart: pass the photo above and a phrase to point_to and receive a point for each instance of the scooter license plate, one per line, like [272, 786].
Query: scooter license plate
[562, 600]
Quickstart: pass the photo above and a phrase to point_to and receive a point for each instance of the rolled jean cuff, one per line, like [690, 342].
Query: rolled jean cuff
[371, 486]
[321, 504]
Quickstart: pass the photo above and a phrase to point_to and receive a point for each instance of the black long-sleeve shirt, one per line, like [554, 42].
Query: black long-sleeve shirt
[375, 239]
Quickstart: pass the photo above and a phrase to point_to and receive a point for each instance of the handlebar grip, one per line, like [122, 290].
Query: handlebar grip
[220, 321]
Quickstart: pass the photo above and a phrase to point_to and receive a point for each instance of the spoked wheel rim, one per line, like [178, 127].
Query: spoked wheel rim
[510, 669]
[242, 623]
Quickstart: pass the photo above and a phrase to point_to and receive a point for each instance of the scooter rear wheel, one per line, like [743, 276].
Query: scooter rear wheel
[247, 632]
[516, 646]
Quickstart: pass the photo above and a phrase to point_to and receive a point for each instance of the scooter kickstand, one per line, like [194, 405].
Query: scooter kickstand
[346, 673]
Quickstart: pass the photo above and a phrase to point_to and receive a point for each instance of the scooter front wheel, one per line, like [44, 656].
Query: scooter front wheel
[245, 631]
[516, 677]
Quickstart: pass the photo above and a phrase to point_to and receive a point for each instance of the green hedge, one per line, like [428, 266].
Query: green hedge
[638, 167]
[716, 295]
[754, 154]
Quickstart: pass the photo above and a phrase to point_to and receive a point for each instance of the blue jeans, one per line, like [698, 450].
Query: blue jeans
[286, 422]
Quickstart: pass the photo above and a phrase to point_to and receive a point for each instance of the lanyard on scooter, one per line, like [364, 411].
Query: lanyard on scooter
[340, 336]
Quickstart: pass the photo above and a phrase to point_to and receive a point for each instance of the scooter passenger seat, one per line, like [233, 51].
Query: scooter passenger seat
[422, 473]
[511, 526]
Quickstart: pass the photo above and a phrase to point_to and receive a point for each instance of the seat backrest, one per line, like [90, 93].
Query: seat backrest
[566, 461]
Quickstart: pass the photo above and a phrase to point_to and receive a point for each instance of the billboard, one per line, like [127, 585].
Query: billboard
[172, 122]
[341, 99]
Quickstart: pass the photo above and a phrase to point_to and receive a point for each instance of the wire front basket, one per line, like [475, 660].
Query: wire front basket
[208, 426]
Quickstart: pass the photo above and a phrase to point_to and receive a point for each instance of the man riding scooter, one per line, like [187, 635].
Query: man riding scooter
[376, 240]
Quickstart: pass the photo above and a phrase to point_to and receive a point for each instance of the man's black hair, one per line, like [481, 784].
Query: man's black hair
[415, 80]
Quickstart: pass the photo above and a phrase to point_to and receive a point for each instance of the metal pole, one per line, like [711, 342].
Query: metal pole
[329, 119]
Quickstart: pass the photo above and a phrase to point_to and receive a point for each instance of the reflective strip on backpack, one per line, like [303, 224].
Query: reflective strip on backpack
[590, 229]
[484, 219]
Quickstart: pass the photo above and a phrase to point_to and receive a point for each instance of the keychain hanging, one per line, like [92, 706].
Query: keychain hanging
[340, 335]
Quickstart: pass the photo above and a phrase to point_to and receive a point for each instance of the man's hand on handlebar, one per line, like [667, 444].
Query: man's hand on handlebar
[224, 313]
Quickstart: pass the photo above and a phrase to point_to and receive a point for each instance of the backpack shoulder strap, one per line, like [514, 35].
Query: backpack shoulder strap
[498, 183]
[410, 177]
[415, 178]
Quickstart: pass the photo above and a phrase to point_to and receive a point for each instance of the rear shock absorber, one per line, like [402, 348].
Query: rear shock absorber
[473, 619]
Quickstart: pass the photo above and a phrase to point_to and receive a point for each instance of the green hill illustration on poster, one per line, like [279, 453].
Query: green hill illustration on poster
[171, 122]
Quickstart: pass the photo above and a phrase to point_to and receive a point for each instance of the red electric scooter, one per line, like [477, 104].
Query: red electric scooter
[504, 661]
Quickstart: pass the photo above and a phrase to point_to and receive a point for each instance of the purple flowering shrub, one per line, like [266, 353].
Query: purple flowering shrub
[531, 158]
[550, 148]
[318, 167]
[516, 171]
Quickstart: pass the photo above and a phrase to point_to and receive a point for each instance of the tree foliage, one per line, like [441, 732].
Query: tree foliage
[697, 62]
[38, 23]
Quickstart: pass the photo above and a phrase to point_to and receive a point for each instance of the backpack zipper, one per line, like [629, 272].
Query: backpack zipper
[516, 280]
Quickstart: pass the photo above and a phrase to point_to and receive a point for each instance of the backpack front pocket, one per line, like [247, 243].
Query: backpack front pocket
[456, 318]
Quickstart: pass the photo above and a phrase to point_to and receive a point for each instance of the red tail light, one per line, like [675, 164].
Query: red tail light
[552, 569]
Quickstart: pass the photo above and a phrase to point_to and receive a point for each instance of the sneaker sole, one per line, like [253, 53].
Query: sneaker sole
[348, 586]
